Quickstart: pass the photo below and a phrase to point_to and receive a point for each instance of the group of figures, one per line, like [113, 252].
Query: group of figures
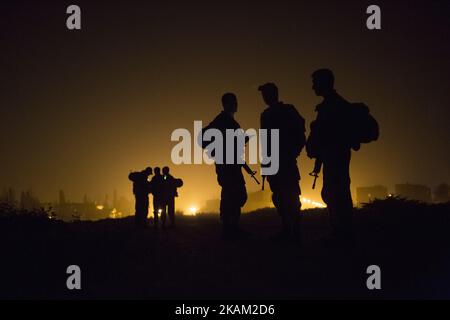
[163, 186]
[340, 126]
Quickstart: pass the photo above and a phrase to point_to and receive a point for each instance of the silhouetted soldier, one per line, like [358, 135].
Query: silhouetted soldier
[285, 183]
[170, 192]
[330, 143]
[157, 187]
[229, 176]
[141, 189]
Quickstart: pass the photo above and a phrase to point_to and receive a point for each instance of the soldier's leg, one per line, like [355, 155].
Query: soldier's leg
[344, 211]
[239, 200]
[276, 200]
[226, 210]
[279, 201]
[285, 212]
[229, 211]
[145, 205]
[136, 212]
[234, 216]
[347, 218]
[141, 210]
[155, 212]
[344, 204]
[163, 208]
[295, 211]
[171, 211]
[291, 211]
[329, 193]
[285, 209]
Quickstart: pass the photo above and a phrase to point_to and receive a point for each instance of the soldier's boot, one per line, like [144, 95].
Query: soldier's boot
[227, 231]
[296, 229]
[155, 220]
[163, 218]
[140, 220]
[345, 237]
[172, 220]
[136, 219]
[284, 234]
[230, 227]
[343, 227]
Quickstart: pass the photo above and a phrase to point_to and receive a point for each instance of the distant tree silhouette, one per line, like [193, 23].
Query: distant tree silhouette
[62, 197]
[28, 201]
[442, 193]
[9, 197]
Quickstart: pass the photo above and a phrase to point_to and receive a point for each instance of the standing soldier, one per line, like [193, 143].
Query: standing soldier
[141, 189]
[285, 183]
[170, 192]
[330, 144]
[229, 175]
[157, 188]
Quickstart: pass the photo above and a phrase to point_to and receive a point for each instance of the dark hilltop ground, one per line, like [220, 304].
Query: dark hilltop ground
[409, 241]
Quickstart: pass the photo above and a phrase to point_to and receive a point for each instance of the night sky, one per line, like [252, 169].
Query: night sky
[80, 109]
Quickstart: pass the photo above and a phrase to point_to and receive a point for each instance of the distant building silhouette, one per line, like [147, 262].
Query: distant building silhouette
[257, 200]
[368, 194]
[89, 209]
[28, 201]
[8, 197]
[442, 193]
[62, 197]
[413, 192]
[211, 206]
[106, 201]
[114, 204]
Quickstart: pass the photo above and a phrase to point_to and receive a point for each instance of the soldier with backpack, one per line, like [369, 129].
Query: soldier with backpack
[141, 190]
[285, 183]
[170, 187]
[229, 175]
[157, 189]
[340, 126]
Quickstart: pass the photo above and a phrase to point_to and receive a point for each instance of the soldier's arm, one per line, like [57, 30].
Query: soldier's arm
[300, 125]
[313, 144]
[132, 176]
[149, 186]
[265, 145]
[200, 141]
[215, 124]
[262, 121]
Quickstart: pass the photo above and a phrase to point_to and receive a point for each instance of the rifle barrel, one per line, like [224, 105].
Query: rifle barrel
[257, 181]
[250, 172]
